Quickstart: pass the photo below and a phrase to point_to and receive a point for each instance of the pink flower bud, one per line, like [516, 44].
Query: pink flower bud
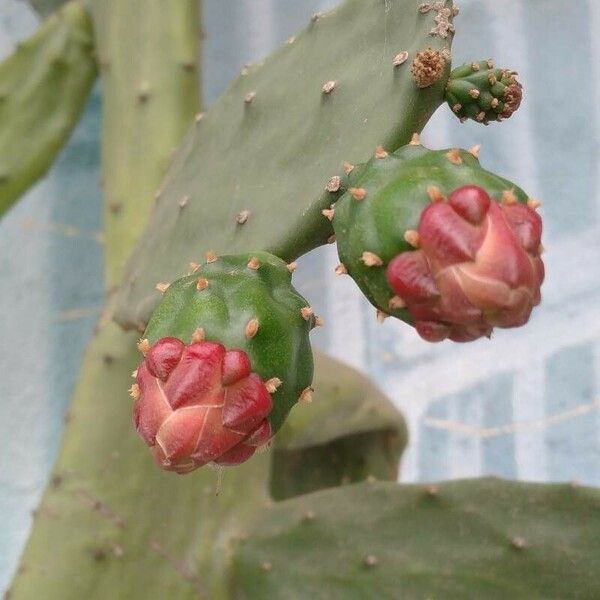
[200, 403]
[478, 266]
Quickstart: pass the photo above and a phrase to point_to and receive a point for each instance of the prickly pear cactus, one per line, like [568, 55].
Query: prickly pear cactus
[434, 239]
[483, 92]
[227, 355]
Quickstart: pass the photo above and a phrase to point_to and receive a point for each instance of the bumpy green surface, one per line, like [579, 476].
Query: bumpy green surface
[112, 525]
[44, 85]
[235, 295]
[349, 433]
[465, 540]
[148, 58]
[396, 189]
[472, 88]
[274, 154]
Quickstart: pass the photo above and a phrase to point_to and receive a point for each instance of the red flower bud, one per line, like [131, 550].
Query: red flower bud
[478, 267]
[200, 403]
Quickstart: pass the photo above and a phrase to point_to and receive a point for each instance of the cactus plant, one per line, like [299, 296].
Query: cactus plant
[278, 137]
[463, 539]
[367, 75]
[477, 260]
[247, 330]
[51, 74]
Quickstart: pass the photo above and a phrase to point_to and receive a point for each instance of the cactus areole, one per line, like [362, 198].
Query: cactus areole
[226, 356]
[441, 243]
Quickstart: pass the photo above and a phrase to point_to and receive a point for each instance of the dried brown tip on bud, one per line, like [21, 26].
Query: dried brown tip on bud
[319, 322]
[474, 93]
[358, 193]
[434, 193]
[341, 269]
[329, 213]
[143, 346]
[134, 374]
[307, 312]
[370, 259]
[249, 97]
[272, 384]
[396, 303]
[454, 156]
[381, 316]
[400, 58]
[370, 560]
[334, 183]
[194, 266]
[134, 391]
[242, 216]
[415, 140]
[534, 203]
[475, 150]
[412, 237]
[348, 168]
[183, 201]
[291, 267]
[211, 257]
[508, 197]
[201, 284]
[331, 239]
[253, 263]
[428, 67]
[251, 329]
[380, 152]
[307, 394]
[198, 335]
[328, 87]
[162, 287]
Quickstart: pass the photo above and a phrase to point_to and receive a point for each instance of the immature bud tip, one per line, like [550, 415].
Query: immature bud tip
[307, 394]
[307, 312]
[211, 257]
[475, 150]
[328, 213]
[380, 152]
[411, 236]
[415, 140]
[291, 267]
[434, 193]
[134, 391]
[348, 168]
[454, 156]
[254, 263]
[341, 269]
[162, 287]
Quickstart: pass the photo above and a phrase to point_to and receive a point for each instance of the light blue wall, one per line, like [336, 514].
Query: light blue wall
[524, 405]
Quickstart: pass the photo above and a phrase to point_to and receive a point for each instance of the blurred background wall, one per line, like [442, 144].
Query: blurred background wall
[524, 405]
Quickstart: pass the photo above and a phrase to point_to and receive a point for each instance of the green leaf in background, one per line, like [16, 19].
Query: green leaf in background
[269, 145]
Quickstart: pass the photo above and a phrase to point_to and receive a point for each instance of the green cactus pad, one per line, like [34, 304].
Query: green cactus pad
[44, 85]
[231, 295]
[482, 92]
[396, 188]
[485, 538]
[270, 144]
